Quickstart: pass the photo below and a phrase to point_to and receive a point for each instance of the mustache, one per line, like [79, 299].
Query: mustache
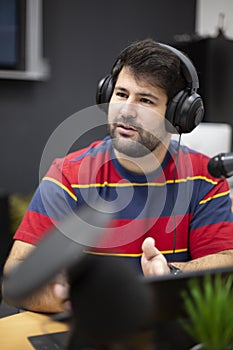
[129, 120]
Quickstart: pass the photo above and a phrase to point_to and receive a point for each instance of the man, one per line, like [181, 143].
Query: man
[169, 209]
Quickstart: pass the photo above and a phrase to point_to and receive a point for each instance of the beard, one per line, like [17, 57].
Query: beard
[144, 144]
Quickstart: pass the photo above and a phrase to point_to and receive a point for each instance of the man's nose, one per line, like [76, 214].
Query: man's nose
[128, 108]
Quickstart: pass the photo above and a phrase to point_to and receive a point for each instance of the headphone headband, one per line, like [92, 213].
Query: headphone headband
[188, 68]
[184, 111]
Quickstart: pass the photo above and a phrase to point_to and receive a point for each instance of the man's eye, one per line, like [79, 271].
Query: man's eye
[121, 94]
[146, 101]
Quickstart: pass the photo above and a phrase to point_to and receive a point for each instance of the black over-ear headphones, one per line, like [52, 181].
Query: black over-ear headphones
[184, 111]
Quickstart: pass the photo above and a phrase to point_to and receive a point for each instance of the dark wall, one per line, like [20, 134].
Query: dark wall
[213, 59]
[81, 41]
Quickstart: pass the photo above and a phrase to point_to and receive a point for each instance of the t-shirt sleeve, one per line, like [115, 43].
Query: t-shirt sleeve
[52, 201]
[211, 228]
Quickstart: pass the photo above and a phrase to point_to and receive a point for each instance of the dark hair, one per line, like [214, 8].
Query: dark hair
[157, 64]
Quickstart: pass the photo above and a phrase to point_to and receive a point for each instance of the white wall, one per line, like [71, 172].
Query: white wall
[207, 17]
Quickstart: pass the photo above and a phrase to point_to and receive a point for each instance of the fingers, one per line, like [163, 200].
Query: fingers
[153, 261]
[61, 291]
[149, 249]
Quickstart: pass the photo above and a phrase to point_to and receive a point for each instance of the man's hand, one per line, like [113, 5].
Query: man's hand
[61, 290]
[152, 261]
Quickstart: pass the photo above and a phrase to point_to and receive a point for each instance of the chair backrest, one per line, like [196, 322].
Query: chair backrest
[209, 138]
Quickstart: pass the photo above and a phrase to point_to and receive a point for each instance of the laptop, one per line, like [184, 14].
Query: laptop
[162, 329]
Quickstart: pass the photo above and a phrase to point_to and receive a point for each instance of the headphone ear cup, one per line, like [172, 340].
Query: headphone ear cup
[104, 91]
[171, 113]
[184, 112]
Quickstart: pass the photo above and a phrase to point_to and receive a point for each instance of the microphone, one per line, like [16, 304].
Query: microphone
[221, 165]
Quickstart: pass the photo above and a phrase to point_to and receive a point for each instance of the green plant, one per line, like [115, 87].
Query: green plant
[18, 204]
[209, 307]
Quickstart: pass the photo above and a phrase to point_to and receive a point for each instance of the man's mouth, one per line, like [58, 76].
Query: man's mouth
[126, 129]
[126, 126]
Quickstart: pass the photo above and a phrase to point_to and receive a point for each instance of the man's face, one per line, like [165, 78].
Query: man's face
[136, 115]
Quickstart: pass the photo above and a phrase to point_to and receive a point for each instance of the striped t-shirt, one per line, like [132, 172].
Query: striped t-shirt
[184, 208]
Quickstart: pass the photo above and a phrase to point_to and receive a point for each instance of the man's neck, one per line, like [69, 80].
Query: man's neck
[146, 164]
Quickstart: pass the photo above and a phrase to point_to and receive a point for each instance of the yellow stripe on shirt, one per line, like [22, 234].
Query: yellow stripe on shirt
[62, 186]
[150, 184]
[215, 196]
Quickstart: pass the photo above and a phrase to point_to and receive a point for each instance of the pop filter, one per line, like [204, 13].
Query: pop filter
[60, 249]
